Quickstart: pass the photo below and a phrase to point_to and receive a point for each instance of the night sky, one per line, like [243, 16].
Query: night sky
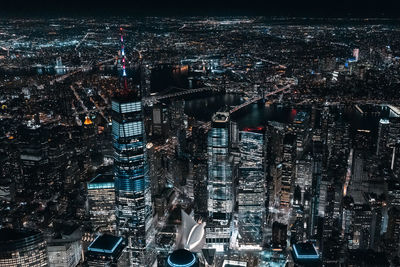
[311, 8]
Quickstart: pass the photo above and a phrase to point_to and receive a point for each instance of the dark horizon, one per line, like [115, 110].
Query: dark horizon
[288, 8]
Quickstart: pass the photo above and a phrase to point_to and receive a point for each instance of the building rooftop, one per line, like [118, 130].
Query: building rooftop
[12, 239]
[125, 96]
[10, 235]
[300, 117]
[101, 181]
[209, 255]
[181, 257]
[105, 244]
[289, 139]
[221, 117]
[305, 251]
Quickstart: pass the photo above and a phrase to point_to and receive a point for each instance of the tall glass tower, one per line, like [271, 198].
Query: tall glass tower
[220, 191]
[251, 191]
[132, 187]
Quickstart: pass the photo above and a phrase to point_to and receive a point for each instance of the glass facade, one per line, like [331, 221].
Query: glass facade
[289, 151]
[251, 191]
[220, 191]
[220, 199]
[22, 248]
[101, 198]
[132, 188]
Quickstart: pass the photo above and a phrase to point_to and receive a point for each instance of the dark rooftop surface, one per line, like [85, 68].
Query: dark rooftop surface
[103, 178]
[367, 258]
[289, 139]
[7, 234]
[125, 96]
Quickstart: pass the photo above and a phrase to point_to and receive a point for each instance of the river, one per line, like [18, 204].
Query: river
[258, 114]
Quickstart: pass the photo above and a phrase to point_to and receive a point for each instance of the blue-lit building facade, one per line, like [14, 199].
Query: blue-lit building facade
[220, 192]
[132, 188]
[251, 190]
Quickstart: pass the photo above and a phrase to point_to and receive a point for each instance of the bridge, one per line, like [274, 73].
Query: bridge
[83, 39]
[154, 99]
[80, 69]
[258, 98]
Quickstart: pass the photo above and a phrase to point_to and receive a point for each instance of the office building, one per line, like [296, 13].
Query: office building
[317, 154]
[33, 159]
[251, 190]
[305, 254]
[65, 250]
[383, 132]
[22, 247]
[101, 198]
[301, 125]
[106, 250]
[7, 183]
[220, 191]
[132, 187]
[288, 163]
[393, 230]
[279, 236]
[160, 120]
[303, 181]
[394, 130]
[362, 220]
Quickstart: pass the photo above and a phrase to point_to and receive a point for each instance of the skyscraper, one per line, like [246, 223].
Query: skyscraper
[101, 198]
[384, 126]
[64, 248]
[220, 195]
[287, 170]
[132, 187]
[251, 191]
[105, 250]
[131, 172]
[393, 230]
[317, 152]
